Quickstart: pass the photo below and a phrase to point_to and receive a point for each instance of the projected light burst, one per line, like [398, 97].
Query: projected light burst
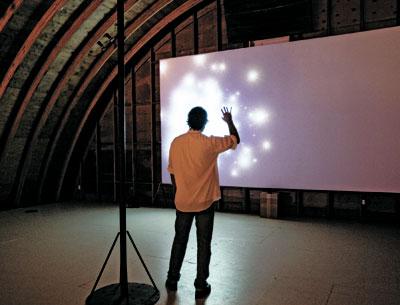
[206, 86]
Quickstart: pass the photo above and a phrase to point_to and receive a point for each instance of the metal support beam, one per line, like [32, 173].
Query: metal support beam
[121, 147]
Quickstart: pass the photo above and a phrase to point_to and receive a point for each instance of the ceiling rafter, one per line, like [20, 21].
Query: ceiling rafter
[54, 94]
[28, 43]
[9, 13]
[60, 84]
[25, 96]
[165, 21]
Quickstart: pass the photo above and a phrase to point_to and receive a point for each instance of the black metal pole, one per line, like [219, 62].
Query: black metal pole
[121, 168]
[128, 293]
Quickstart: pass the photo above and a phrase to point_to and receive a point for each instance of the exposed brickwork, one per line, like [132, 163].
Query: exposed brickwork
[343, 17]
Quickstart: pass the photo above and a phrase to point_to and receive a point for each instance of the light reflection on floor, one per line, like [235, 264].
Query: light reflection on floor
[54, 256]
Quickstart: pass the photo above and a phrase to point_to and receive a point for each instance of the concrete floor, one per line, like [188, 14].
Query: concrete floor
[53, 257]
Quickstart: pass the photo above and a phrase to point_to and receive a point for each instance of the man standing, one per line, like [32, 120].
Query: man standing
[194, 174]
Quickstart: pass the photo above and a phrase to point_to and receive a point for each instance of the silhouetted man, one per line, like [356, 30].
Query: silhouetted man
[194, 174]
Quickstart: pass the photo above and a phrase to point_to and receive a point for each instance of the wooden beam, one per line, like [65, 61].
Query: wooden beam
[9, 13]
[329, 17]
[164, 22]
[23, 100]
[154, 160]
[362, 15]
[331, 204]
[40, 69]
[29, 41]
[71, 67]
[134, 136]
[219, 25]
[195, 34]
[99, 172]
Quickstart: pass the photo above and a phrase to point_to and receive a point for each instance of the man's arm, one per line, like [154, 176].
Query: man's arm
[227, 117]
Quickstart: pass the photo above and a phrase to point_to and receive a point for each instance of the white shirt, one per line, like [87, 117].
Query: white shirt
[193, 162]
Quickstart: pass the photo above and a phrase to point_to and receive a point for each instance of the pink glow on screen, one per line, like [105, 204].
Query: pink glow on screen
[320, 114]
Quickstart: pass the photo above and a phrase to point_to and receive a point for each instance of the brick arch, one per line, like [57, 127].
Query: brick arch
[55, 90]
[80, 90]
[50, 55]
[9, 13]
[28, 43]
[163, 23]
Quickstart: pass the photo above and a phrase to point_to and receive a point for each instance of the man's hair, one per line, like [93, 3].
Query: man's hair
[197, 118]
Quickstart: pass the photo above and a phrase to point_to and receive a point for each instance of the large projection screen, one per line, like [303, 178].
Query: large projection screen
[318, 114]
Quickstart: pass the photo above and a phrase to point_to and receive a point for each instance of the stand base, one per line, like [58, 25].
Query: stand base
[139, 294]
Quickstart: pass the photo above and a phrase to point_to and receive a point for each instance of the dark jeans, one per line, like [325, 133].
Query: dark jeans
[204, 229]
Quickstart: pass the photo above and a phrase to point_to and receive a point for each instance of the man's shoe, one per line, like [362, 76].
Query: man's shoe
[171, 285]
[202, 293]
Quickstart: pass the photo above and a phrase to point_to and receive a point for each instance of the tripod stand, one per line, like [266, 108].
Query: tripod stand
[112, 294]
[123, 293]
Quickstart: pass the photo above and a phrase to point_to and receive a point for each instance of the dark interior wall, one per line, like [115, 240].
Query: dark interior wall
[57, 105]
[205, 30]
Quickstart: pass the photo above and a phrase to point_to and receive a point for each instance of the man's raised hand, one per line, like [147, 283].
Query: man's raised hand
[226, 114]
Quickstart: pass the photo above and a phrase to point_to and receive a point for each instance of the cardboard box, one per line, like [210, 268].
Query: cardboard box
[269, 205]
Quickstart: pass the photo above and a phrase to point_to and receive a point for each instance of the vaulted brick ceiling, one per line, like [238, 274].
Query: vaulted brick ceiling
[57, 60]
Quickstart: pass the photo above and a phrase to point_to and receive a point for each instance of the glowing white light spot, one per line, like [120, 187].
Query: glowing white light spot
[237, 93]
[199, 60]
[252, 76]
[255, 160]
[189, 80]
[245, 158]
[233, 98]
[266, 145]
[163, 67]
[234, 173]
[258, 116]
[218, 67]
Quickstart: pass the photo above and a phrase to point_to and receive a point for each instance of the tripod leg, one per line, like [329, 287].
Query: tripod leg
[141, 259]
[104, 265]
